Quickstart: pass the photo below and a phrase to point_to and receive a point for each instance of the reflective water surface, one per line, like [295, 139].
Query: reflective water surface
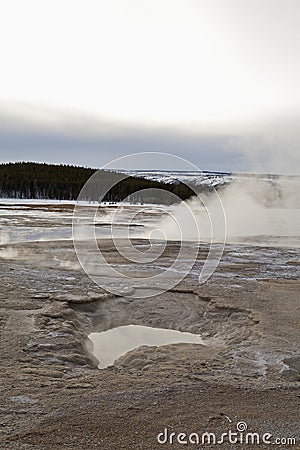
[111, 344]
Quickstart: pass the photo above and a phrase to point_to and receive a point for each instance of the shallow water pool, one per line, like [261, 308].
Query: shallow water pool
[111, 344]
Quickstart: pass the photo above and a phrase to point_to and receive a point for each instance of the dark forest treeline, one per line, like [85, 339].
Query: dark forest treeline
[26, 180]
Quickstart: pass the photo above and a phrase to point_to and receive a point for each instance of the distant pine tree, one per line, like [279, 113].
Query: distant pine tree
[64, 182]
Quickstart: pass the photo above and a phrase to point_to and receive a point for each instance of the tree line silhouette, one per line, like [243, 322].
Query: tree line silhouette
[28, 180]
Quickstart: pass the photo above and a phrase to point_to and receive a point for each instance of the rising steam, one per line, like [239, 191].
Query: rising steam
[262, 209]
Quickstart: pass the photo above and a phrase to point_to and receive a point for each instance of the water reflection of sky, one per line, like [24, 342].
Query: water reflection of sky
[111, 344]
[28, 220]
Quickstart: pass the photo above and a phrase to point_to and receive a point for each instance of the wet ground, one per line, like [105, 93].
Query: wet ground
[53, 396]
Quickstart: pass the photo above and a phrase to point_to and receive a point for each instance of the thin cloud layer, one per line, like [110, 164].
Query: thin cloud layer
[75, 138]
[212, 81]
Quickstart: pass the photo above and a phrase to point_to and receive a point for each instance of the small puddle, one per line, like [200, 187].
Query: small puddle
[111, 344]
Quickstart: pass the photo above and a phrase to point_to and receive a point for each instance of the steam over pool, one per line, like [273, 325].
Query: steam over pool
[259, 210]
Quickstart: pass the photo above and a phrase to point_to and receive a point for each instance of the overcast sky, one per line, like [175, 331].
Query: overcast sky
[213, 81]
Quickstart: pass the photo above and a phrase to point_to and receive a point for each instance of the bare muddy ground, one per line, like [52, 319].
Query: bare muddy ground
[54, 397]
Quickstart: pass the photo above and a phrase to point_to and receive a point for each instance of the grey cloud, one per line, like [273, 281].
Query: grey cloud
[206, 152]
[36, 134]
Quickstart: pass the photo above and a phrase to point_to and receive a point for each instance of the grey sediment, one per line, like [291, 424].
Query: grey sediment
[248, 369]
